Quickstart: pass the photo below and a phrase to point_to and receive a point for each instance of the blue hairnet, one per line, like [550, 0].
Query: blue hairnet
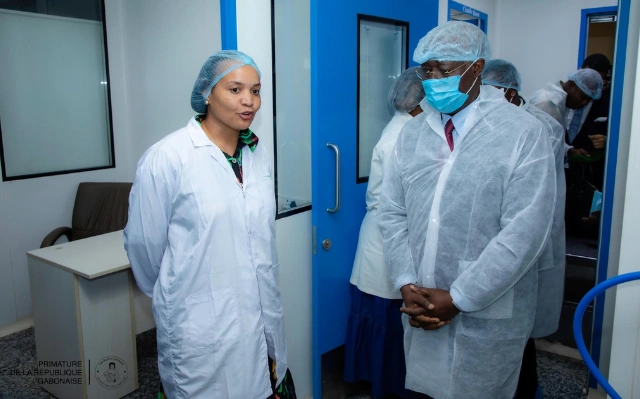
[501, 73]
[453, 41]
[214, 69]
[406, 91]
[589, 81]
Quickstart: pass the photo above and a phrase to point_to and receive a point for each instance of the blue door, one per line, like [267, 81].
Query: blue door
[339, 185]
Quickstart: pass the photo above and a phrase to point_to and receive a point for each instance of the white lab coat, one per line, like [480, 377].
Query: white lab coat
[552, 261]
[203, 247]
[369, 272]
[552, 100]
[472, 221]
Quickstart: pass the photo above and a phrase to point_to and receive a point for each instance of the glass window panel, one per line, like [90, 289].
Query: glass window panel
[382, 51]
[292, 74]
[54, 103]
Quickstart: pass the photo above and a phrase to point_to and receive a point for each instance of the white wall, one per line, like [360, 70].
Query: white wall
[30, 209]
[293, 233]
[486, 6]
[540, 38]
[622, 341]
[165, 44]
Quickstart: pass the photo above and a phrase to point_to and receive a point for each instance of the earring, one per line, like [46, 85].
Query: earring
[206, 102]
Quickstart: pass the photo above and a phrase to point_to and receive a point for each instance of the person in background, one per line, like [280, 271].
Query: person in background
[373, 350]
[551, 265]
[587, 127]
[558, 99]
[465, 211]
[201, 242]
[592, 138]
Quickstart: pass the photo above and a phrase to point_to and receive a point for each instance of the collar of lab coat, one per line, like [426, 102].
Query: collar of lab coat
[489, 98]
[199, 139]
[198, 136]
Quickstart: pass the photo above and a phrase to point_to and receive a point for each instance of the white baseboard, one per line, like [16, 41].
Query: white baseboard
[19, 325]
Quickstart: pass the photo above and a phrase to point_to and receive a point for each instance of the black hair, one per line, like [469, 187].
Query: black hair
[598, 62]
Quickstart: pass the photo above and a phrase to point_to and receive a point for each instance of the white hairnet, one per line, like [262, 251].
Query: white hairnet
[406, 91]
[501, 73]
[453, 41]
[214, 69]
[589, 81]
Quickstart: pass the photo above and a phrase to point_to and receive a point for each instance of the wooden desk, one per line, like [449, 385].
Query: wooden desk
[85, 303]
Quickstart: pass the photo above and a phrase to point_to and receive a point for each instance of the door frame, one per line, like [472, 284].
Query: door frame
[483, 17]
[617, 86]
[584, 28]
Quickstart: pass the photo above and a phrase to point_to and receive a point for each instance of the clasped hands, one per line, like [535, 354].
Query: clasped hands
[427, 308]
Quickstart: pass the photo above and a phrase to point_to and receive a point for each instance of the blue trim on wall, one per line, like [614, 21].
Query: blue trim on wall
[584, 24]
[610, 175]
[228, 24]
[484, 18]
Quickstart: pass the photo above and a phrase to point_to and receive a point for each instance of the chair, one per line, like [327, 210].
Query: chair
[99, 208]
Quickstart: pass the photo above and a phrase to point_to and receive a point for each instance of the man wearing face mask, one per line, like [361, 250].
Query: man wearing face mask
[551, 264]
[464, 215]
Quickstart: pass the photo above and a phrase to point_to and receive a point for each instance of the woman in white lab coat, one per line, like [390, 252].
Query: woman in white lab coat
[201, 242]
[374, 346]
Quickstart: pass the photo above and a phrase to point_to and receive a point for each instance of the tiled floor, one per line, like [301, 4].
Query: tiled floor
[561, 375]
[561, 371]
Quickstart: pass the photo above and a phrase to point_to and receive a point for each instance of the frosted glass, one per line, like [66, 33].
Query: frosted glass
[293, 112]
[53, 102]
[382, 60]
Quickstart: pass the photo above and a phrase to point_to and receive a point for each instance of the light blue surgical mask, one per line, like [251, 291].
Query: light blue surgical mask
[444, 95]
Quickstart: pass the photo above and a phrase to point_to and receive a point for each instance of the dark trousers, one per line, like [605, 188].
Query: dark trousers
[528, 381]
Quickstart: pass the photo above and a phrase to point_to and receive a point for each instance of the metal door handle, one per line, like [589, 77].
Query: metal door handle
[337, 150]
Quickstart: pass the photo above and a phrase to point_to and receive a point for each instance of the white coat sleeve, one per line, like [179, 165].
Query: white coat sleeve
[526, 217]
[551, 109]
[374, 186]
[392, 221]
[145, 236]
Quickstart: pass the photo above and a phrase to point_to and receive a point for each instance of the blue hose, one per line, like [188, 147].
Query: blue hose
[577, 326]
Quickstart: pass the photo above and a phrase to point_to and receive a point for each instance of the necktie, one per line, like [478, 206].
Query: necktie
[448, 133]
[574, 126]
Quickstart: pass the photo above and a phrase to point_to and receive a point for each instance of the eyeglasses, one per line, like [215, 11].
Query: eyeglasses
[436, 73]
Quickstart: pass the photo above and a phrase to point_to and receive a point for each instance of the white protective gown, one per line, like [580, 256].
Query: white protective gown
[472, 221]
[552, 100]
[552, 261]
[369, 272]
[203, 248]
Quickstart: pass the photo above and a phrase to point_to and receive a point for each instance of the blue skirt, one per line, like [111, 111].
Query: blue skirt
[374, 349]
